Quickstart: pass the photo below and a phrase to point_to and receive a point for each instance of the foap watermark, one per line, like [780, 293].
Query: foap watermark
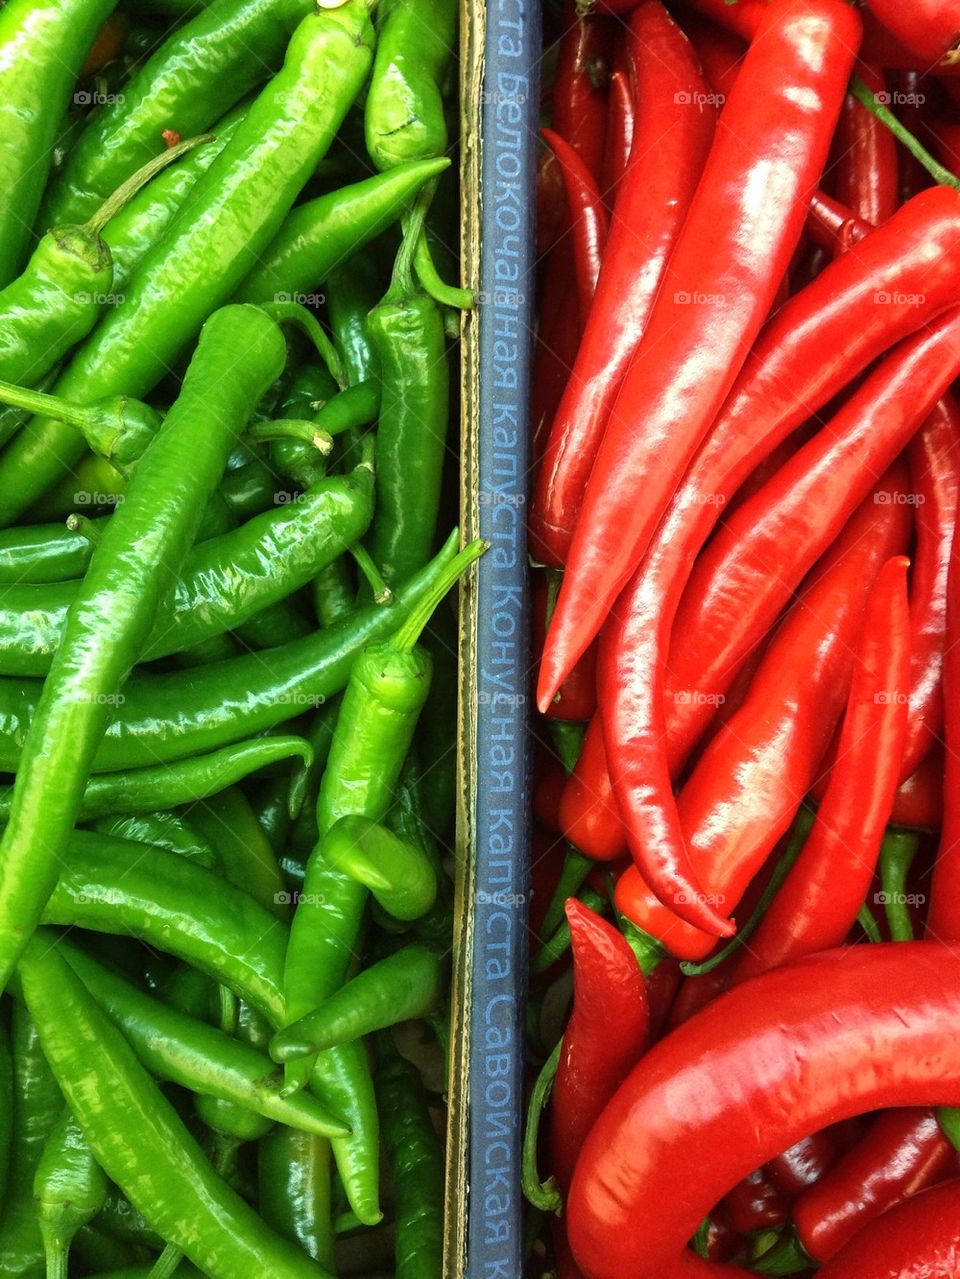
[491, 497]
[886, 898]
[511, 900]
[685, 98]
[499, 297]
[897, 98]
[301, 299]
[101, 699]
[90, 497]
[684, 898]
[486, 698]
[697, 697]
[96, 97]
[296, 898]
[100, 299]
[896, 297]
[897, 497]
[684, 298]
[886, 698]
[309, 701]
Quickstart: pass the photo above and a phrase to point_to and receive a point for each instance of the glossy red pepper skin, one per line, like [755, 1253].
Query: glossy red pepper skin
[720, 52]
[916, 1240]
[903, 1152]
[943, 919]
[742, 18]
[672, 137]
[946, 138]
[755, 1203]
[816, 344]
[603, 1039]
[587, 217]
[801, 1047]
[803, 1164]
[867, 181]
[929, 29]
[621, 122]
[747, 785]
[558, 339]
[934, 457]
[743, 579]
[577, 699]
[818, 902]
[580, 86]
[589, 813]
[919, 800]
[769, 149]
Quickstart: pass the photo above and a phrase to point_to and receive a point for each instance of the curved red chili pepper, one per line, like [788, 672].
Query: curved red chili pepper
[745, 576]
[929, 29]
[580, 86]
[755, 1203]
[784, 1055]
[673, 135]
[867, 177]
[621, 120]
[588, 217]
[803, 1164]
[916, 1240]
[558, 339]
[919, 801]
[818, 902]
[770, 146]
[603, 1039]
[577, 699]
[653, 711]
[934, 457]
[589, 814]
[747, 786]
[903, 1152]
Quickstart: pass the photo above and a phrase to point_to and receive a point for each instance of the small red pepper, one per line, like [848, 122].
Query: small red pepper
[929, 29]
[803, 1164]
[867, 180]
[589, 814]
[742, 18]
[748, 784]
[919, 801]
[672, 137]
[755, 1203]
[916, 1240]
[779, 1057]
[621, 121]
[579, 95]
[603, 1039]
[817, 904]
[903, 1152]
[587, 214]
[721, 53]
[577, 699]
[770, 146]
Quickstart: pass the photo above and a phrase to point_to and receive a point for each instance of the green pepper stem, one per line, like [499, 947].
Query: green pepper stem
[782, 869]
[382, 593]
[648, 950]
[313, 330]
[542, 1194]
[948, 1117]
[127, 190]
[567, 740]
[785, 1257]
[575, 870]
[409, 633]
[896, 857]
[866, 98]
[291, 428]
[166, 1264]
[83, 525]
[57, 1255]
[402, 279]
[869, 925]
[451, 295]
[40, 402]
[558, 943]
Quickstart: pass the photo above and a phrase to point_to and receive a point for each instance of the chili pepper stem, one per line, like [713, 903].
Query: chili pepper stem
[58, 1257]
[382, 593]
[21, 397]
[542, 1194]
[402, 279]
[83, 525]
[313, 330]
[127, 190]
[869, 925]
[292, 429]
[866, 98]
[408, 634]
[166, 1264]
[458, 299]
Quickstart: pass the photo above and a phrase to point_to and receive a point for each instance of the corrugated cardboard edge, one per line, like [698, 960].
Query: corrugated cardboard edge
[472, 33]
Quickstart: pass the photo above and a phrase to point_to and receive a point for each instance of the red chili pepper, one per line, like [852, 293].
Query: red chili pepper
[831, 225]
[747, 786]
[929, 29]
[589, 814]
[771, 143]
[934, 456]
[547, 793]
[818, 902]
[721, 53]
[621, 121]
[588, 217]
[580, 85]
[654, 711]
[697, 991]
[604, 1037]
[919, 801]
[662, 986]
[903, 1152]
[916, 1240]
[558, 339]
[835, 1035]
[577, 699]
[550, 202]
[867, 180]
[755, 1203]
[946, 138]
[743, 17]
[803, 1164]
[743, 579]
[670, 145]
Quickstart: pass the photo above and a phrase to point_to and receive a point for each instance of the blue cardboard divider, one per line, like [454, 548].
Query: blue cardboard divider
[508, 124]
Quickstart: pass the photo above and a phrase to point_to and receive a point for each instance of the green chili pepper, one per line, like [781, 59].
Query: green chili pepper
[43, 553]
[182, 782]
[6, 1109]
[354, 407]
[163, 830]
[406, 985]
[322, 233]
[295, 459]
[116, 427]
[37, 1106]
[194, 76]
[65, 286]
[112, 614]
[234, 210]
[897, 854]
[225, 581]
[94, 1248]
[165, 1174]
[42, 49]
[413, 1152]
[404, 117]
[127, 1223]
[400, 876]
[229, 824]
[406, 331]
[334, 592]
[294, 1179]
[70, 1189]
[352, 290]
[166, 717]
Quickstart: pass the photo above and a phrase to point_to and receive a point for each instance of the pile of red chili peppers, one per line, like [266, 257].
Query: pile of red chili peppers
[745, 931]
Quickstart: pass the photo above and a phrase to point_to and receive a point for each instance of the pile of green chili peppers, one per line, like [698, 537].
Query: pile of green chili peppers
[228, 635]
